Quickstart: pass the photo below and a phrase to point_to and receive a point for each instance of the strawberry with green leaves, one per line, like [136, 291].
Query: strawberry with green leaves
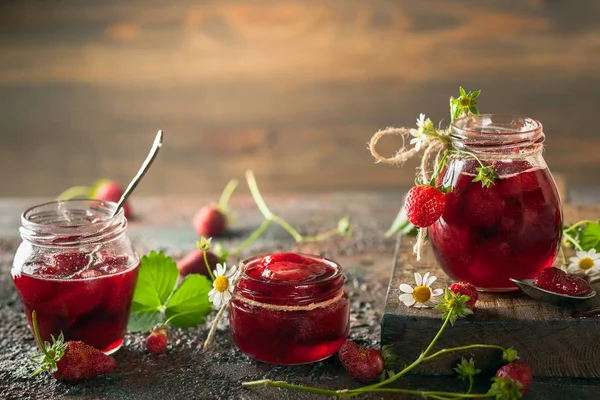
[69, 361]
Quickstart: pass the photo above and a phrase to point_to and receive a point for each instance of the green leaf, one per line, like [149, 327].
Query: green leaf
[509, 355]
[475, 94]
[462, 91]
[156, 280]
[189, 304]
[505, 389]
[401, 224]
[144, 321]
[589, 237]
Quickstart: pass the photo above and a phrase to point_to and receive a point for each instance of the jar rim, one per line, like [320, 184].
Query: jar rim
[502, 125]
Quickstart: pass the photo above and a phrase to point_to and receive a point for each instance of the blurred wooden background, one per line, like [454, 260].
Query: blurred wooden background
[293, 89]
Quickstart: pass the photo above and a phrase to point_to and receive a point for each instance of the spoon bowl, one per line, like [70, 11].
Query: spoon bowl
[537, 293]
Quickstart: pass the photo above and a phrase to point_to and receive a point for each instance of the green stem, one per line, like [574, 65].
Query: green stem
[255, 235]
[564, 257]
[470, 384]
[471, 346]
[285, 385]
[37, 335]
[440, 166]
[573, 241]
[320, 237]
[285, 225]
[212, 276]
[172, 317]
[226, 195]
[437, 336]
[73, 192]
[456, 151]
[260, 202]
[585, 221]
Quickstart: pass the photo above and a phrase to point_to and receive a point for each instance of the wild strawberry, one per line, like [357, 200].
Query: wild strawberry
[70, 361]
[209, 221]
[424, 205]
[110, 191]
[365, 365]
[465, 288]
[518, 371]
[157, 340]
[193, 263]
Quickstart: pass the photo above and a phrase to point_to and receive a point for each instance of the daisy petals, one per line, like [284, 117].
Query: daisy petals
[406, 288]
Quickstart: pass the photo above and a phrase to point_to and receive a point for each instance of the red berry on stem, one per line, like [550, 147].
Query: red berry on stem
[193, 263]
[365, 365]
[157, 340]
[209, 221]
[518, 371]
[424, 205]
[465, 288]
[111, 191]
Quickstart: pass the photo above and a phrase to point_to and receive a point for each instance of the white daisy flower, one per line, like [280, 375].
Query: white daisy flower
[421, 296]
[587, 262]
[421, 121]
[222, 285]
[419, 138]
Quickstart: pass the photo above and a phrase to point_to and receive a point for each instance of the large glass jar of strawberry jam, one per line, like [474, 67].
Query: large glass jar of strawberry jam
[510, 229]
[77, 270]
[289, 308]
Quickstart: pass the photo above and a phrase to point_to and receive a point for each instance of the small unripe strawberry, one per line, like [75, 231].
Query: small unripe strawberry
[157, 340]
[193, 263]
[518, 371]
[466, 288]
[424, 205]
[365, 365]
[209, 221]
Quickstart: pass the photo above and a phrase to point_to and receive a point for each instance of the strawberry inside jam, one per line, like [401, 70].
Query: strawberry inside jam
[87, 296]
[285, 336]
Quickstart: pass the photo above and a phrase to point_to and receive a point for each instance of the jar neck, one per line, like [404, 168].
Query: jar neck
[500, 135]
[71, 223]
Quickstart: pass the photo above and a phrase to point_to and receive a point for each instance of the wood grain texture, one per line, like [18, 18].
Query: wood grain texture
[553, 342]
[292, 89]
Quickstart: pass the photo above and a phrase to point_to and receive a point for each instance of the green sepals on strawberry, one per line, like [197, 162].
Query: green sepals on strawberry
[510, 355]
[486, 175]
[505, 389]
[69, 361]
[454, 305]
[424, 205]
[466, 369]
[464, 104]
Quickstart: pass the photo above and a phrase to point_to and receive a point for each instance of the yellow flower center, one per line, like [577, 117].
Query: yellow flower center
[586, 263]
[422, 294]
[221, 284]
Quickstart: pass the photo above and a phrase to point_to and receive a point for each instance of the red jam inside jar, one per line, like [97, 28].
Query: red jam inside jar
[290, 309]
[77, 270]
[510, 229]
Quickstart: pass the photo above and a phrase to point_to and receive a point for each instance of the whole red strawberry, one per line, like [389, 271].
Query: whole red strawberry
[365, 365]
[209, 221]
[518, 371]
[193, 263]
[110, 191]
[157, 340]
[465, 288]
[424, 205]
[70, 361]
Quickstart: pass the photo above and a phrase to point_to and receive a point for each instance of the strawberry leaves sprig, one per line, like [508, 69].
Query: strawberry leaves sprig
[51, 353]
[464, 104]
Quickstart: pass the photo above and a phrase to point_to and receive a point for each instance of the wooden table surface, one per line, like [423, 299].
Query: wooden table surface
[184, 371]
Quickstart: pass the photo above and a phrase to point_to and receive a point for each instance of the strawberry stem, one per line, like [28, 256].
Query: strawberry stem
[222, 205]
[262, 206]
[471, 346]
[212, 276]
[75, 191]
[255, 235]
[37, 335]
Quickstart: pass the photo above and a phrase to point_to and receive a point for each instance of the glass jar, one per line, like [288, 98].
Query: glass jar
[511, 229]
[76, 268]
[289, 308]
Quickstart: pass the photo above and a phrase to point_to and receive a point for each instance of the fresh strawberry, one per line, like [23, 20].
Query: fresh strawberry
[193, 263]
[70, 361]
[424, 205]
[465, 288]
[110, 191]
[157, 340]
[209, 221]
[365, 365]
[518, 371]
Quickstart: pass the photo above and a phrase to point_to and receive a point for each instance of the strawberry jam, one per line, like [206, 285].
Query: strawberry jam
[510, 229]
[290, 309]
[78, 274]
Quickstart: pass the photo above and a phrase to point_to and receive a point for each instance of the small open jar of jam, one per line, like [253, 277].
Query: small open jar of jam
[76, 268]
[510, 229]
[289, 308]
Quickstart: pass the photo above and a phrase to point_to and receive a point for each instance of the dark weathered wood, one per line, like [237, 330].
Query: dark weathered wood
[291, 88]
[546, 336]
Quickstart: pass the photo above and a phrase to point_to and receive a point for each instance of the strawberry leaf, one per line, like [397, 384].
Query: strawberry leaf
[144, 321]
[189, 305]
[589, 237]
[156, 280]
[401, 224]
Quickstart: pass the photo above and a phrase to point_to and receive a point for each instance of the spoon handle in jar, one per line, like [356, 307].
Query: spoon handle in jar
[143, 169]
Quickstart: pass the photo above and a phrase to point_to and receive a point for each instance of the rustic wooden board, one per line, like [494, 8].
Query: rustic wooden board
[553, 342]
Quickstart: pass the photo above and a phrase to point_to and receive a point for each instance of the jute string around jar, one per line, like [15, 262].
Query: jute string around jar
[254, 303]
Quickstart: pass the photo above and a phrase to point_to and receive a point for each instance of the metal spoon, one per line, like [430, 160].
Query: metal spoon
[537, 293]
[143, 169]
